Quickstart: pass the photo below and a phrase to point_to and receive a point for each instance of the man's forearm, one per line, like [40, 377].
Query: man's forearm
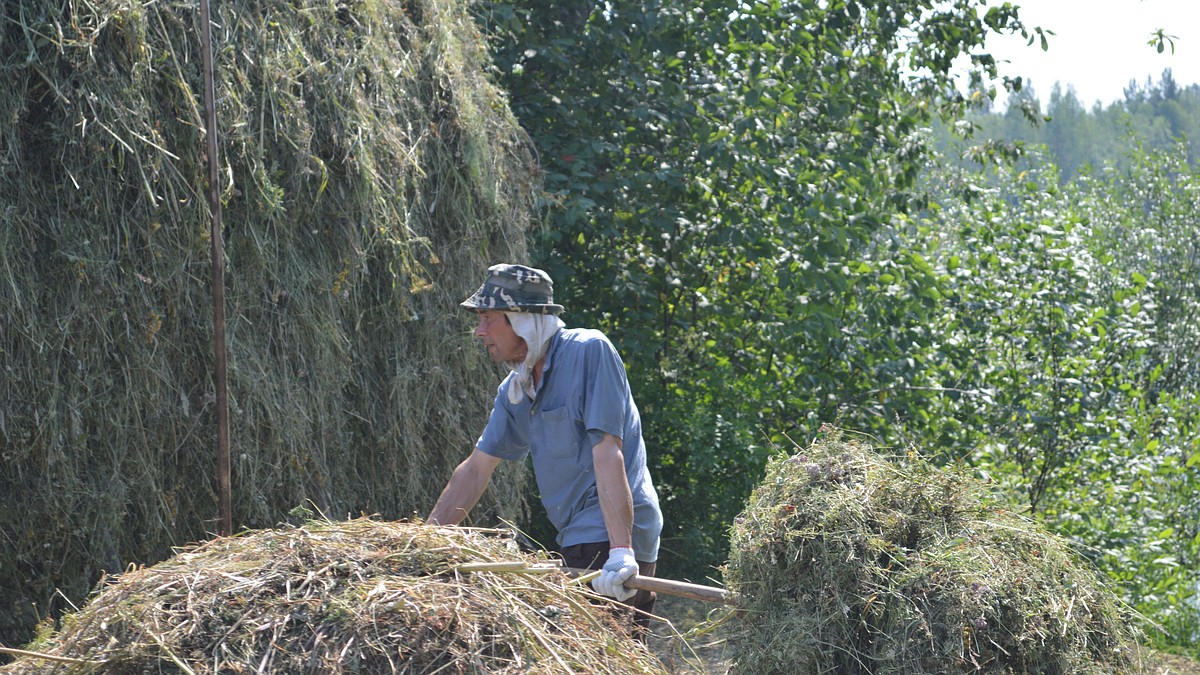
[463, 491]
[612, 486]
[456, 501]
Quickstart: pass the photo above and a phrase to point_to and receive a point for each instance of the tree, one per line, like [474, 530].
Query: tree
[731, 193]
[1077, 138]
[1060, 366]
[1071, 133]
[712, 170]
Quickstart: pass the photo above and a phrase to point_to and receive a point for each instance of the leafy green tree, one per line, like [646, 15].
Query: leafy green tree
[1060, 362]
[1072, 134]
[712, 170]
[729, 193]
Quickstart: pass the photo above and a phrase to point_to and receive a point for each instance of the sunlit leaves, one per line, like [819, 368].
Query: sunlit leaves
[729, 194]
[1074, 305]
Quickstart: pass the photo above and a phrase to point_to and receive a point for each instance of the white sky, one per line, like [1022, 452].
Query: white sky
[1100, 45]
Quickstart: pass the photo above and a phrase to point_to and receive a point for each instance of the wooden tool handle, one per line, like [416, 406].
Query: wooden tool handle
[680, 589]
[637, 582]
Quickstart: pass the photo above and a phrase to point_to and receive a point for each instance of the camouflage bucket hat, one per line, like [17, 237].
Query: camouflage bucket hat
[515, 288]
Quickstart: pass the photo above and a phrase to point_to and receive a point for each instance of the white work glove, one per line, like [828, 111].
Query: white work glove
[620, 567]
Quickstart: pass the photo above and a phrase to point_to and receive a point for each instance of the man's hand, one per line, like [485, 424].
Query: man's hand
[620, 567]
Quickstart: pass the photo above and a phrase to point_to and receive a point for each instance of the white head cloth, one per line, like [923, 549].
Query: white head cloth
[536, 330]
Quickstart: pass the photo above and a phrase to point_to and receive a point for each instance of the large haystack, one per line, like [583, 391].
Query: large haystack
[851, 562]
[370, 171]
[361, 596]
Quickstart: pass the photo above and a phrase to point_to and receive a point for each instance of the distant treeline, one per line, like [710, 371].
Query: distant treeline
[1153, 116]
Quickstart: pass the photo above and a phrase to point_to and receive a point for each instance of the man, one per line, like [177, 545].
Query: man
[566, 403]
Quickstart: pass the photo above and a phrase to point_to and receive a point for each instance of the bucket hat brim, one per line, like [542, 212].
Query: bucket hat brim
[515, 288]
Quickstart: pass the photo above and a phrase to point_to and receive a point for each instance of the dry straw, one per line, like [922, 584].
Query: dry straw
[360, 596]
[370, 172]
[848, 561]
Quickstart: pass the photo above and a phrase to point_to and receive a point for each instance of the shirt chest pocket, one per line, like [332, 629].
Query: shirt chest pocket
[555, 434]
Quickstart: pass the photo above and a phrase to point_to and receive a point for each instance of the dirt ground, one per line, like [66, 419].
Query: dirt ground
[1168, 664]
[688, 653]
[683, 651]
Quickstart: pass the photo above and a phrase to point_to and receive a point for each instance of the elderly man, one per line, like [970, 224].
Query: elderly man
[568, 405]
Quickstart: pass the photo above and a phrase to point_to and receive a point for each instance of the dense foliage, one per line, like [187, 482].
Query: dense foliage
[710, 170]
[732, 193]
[1062, 360]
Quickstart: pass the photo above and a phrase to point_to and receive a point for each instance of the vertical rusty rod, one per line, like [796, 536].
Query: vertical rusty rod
[218, 278]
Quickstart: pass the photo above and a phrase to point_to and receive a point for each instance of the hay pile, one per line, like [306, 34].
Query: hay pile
[371, 170]
[850, 562]
[361, 596]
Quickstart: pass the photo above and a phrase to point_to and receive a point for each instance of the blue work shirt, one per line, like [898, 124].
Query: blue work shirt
[584, 394]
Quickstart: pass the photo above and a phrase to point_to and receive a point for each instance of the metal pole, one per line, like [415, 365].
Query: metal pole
[218, 279]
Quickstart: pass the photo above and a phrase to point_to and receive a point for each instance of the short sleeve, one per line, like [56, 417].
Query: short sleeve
[607, 392]
[499, 437]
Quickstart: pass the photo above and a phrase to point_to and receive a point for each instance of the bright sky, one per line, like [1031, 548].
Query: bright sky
[1100, 45]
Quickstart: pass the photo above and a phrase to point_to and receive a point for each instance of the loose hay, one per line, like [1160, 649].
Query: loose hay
[360, 596]
[370, 171]
[850, 562]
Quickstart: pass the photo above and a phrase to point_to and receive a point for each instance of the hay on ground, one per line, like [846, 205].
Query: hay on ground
[847, 561]
[361, 596]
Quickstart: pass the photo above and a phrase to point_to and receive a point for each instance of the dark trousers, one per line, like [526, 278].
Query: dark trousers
[592, 557]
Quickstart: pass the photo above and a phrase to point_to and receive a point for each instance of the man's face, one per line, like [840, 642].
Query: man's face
[497, 334]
